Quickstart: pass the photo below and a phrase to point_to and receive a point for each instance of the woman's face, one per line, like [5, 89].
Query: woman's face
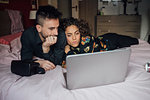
[73, 35]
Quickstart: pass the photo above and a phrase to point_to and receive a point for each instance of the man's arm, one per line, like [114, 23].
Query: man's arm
[47, 65]
[27, 41]
[56, 56]
[26, 50]
[60, 47]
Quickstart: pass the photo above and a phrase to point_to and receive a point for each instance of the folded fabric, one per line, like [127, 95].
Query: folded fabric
[16, 21]
[8, 38]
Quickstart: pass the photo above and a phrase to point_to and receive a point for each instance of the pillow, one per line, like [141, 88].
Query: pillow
[15, 46]
[8, 38]
[4, 50]
[6, 60]
[10, 52]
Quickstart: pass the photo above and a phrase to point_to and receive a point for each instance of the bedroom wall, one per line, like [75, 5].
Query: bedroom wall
[144, 10]
[22, 5]
[116, 8]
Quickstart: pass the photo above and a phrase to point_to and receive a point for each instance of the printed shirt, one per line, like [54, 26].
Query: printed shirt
[88, 44]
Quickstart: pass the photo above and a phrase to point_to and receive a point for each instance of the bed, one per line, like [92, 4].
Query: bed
[52, 84]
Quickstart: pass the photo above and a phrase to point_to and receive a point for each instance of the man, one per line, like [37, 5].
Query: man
[45, 40]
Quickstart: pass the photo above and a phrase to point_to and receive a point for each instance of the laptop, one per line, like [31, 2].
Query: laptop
[97, 69]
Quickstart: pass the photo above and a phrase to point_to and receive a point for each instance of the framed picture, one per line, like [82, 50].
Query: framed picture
[4, 1]
[34, 4]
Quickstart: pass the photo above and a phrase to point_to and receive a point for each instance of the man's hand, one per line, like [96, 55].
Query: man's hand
[47, 65]
[48, 42]
[67, 49]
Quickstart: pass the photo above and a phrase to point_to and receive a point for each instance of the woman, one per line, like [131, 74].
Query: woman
[80, 41]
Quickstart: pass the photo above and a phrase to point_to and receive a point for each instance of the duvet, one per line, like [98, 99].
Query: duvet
[52, 85]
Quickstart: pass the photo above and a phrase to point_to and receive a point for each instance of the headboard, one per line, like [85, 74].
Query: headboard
[5, 23]
[10, 22]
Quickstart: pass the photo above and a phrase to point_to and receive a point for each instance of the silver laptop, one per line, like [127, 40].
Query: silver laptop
[96, 69]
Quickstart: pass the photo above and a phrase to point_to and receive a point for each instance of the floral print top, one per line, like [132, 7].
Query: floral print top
[88, 44]
[109, 41]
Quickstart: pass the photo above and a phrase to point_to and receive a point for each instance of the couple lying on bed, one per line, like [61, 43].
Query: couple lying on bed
[80, 41]
[48, 42]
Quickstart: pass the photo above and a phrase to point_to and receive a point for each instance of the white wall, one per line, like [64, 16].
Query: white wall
[64, 6]
[145, 25]
[116, 8]
[53, 2]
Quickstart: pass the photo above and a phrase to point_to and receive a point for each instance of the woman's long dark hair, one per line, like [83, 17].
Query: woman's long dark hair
[81, 24]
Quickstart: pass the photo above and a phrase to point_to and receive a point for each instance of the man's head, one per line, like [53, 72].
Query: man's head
[47, 20]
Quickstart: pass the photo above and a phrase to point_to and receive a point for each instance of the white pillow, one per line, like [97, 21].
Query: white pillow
[15, 46]
[4, 50]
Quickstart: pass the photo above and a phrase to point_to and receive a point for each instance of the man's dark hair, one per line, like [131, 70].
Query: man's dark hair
[49, 12]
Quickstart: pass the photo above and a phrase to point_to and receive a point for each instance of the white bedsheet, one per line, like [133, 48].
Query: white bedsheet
[52, 86]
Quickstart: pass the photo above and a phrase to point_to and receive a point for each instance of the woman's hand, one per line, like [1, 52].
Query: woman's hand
[67, 49]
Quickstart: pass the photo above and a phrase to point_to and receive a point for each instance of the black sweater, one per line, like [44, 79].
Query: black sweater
[32, 46]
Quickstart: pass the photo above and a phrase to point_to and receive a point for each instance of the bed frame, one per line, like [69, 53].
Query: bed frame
[5, 23]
